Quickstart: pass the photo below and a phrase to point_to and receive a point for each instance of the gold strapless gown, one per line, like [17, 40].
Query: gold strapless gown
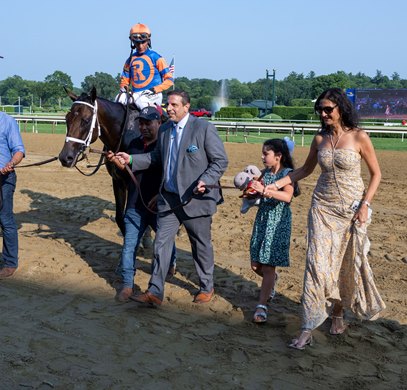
[336, 265]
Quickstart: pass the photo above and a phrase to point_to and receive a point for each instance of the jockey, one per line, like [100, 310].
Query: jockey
[145, 73]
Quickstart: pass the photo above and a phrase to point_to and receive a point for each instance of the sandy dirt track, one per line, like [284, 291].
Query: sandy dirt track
[62, 329]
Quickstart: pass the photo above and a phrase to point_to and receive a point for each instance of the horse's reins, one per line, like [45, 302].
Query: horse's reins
[126, 120]
[87, 141]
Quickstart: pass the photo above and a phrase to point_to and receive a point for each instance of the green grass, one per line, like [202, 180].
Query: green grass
[47, 128]
[379, 143]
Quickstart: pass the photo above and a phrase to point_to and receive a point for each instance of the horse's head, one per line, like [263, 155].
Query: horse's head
[82, 127]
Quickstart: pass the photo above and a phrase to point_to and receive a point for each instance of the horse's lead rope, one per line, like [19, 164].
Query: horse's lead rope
[37, 163]
[137, 184]
[135, 181]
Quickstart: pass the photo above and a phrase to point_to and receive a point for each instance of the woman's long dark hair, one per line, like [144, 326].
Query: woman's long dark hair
[349, 116]
[278, 145]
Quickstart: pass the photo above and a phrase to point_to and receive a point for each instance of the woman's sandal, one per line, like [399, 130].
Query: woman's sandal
[308, 341]
[273, 291]
[260, 315]
[335, 330]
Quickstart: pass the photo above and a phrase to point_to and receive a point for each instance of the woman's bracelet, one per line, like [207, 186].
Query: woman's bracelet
[366, 203]
[277, 186]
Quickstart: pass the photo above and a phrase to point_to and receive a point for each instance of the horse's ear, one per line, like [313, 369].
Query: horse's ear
[93, 94]
[71, 94]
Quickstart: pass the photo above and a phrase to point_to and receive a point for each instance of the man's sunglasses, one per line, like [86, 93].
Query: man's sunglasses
[139, 37]
[327, 109]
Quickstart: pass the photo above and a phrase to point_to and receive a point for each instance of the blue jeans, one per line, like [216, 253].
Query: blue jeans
[7, 221]
[136, 222]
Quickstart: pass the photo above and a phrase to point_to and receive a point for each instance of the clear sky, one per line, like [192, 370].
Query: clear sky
[220, 39]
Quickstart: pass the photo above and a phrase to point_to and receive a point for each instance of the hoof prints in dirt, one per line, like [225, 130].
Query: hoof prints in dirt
[65, 219]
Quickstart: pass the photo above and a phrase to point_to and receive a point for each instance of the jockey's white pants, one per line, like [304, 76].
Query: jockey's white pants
[139, 99]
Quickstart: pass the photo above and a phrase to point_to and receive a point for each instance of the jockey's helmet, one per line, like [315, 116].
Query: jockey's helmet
[140, 33]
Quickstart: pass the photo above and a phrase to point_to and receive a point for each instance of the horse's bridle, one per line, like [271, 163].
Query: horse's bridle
[87, 141]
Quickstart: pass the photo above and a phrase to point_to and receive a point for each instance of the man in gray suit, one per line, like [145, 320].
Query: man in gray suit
[193, 160]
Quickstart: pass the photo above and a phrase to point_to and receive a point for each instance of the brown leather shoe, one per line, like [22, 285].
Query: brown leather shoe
[124, 294]
[6, 272]
[146, 297]
[203, 297]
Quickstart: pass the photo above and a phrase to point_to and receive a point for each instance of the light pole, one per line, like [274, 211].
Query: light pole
[272, 76]
[273, 89]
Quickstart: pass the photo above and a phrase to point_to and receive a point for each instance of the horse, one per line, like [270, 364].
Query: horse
[90, 118]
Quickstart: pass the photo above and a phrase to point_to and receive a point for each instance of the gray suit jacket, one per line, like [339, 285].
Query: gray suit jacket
[201, 156]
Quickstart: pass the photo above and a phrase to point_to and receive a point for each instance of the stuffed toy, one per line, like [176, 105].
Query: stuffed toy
[243, 181]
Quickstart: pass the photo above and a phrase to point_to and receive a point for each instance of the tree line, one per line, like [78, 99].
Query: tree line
[295, 89]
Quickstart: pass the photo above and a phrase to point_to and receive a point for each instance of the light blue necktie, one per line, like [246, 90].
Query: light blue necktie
[172, 168]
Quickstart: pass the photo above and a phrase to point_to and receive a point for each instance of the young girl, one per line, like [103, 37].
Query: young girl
[270, 242]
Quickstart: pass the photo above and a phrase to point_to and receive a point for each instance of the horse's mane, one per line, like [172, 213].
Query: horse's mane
[110, 105]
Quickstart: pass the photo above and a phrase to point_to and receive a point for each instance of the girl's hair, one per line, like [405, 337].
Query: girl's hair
[278, 145]
[349, 116]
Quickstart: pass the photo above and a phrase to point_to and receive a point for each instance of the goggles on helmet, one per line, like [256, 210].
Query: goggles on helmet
[142, 37]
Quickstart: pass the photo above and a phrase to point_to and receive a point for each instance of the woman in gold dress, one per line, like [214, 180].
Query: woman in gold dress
[337, 274]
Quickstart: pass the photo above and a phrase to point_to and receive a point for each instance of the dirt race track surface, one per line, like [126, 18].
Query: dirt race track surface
[62, 329]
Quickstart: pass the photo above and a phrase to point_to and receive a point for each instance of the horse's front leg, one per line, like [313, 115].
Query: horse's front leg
[120, 196]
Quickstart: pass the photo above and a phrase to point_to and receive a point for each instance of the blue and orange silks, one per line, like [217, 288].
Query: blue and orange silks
[146, 71]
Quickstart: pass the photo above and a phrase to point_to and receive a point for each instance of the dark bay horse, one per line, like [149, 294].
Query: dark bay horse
[91, 118]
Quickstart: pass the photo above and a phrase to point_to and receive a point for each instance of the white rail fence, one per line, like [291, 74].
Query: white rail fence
[32, 121]
[247, 129]
[294, 130]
